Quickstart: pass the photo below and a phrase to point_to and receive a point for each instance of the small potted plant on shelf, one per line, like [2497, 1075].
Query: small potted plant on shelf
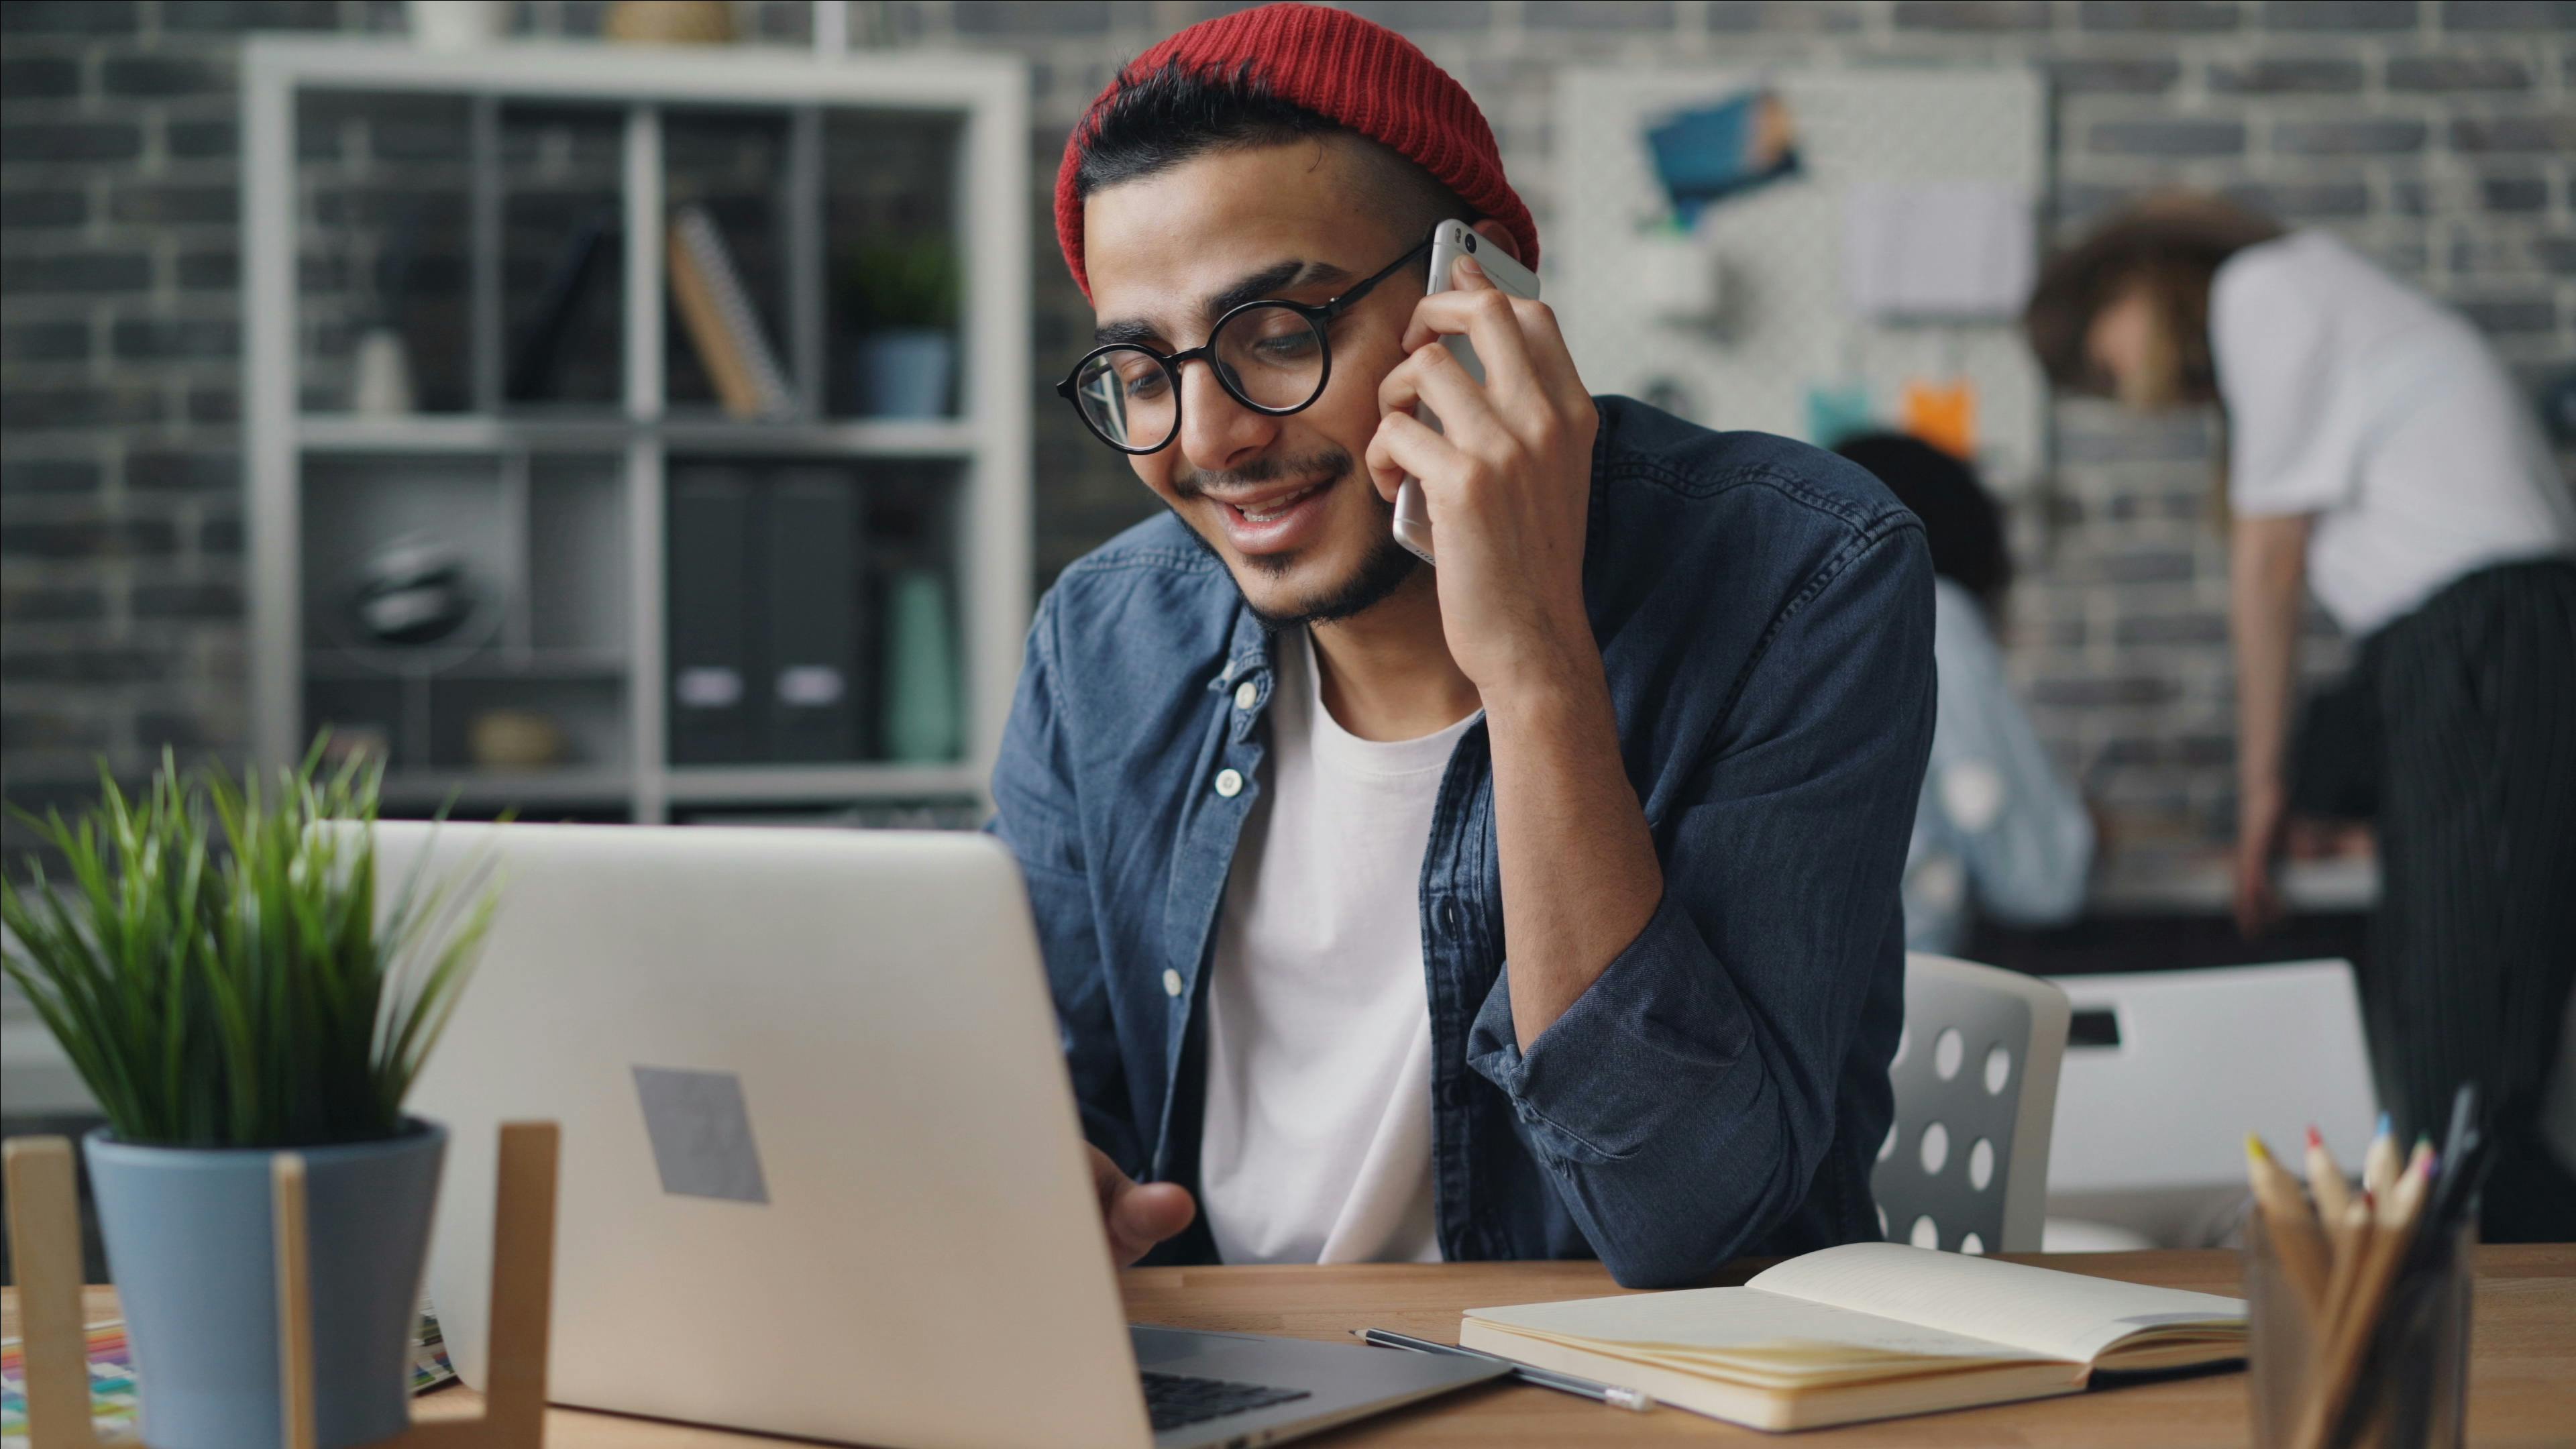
[218, 971]
[902, 295]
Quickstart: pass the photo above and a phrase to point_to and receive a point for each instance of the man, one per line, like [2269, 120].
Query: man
[1539, 904]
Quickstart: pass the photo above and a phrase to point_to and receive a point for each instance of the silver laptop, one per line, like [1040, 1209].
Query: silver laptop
[821, 1169]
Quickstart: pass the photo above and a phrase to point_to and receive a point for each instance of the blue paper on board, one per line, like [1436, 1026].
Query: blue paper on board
[1713, 152]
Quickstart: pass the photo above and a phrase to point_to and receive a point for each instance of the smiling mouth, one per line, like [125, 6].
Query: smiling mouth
[1269, 514]
[1274, 509]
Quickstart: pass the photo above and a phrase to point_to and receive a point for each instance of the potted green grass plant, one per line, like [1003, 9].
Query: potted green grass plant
[902, 294]
[218, 970]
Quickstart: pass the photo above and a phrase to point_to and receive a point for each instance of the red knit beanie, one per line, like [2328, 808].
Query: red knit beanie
[1351, 71]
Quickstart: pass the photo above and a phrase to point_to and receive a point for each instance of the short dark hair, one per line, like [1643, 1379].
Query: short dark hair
[1160, 119]
[1960, 518]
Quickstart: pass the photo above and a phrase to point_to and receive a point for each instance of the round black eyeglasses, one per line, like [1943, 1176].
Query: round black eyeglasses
[1272, 357]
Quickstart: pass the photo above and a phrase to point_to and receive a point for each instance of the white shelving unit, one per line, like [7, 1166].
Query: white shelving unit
[310, 472]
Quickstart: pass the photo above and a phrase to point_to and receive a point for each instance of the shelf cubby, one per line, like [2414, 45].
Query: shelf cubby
[557, 192]
[578, 572]
[734, 167]
[383, 203]
[759, 544]
[877, 221]
[585, 718]
[356, 510]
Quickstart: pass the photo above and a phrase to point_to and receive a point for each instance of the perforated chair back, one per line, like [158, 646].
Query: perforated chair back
[1965, 1166]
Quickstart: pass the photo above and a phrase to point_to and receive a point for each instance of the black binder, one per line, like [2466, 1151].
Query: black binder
[813, 585]
[717, 692]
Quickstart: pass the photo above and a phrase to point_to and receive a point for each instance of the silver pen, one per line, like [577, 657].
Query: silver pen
[1616, 1397]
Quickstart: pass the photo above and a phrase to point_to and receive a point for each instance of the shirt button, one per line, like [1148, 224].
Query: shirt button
[1245, 693]
[1171, 983]
[1229, 783]
[1449, 917]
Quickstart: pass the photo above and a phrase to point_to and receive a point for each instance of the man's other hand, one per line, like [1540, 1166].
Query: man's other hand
[1137, 1215]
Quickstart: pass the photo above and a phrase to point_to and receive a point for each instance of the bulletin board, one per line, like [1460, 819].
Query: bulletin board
[1782, 325]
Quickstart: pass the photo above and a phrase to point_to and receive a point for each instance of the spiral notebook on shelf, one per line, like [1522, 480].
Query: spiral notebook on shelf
[1867, 1331]
[722, 323]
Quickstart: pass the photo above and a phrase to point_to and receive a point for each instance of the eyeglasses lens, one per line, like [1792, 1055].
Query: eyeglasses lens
[1272, 355]
[1126, 394]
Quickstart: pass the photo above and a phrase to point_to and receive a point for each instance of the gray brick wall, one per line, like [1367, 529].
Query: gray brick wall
[2436, 134]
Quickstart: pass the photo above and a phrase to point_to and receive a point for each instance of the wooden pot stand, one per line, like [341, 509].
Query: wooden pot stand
[44, 1243]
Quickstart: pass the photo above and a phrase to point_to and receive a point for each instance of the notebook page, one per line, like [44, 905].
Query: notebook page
[1799, 1339]
[2053, 1314]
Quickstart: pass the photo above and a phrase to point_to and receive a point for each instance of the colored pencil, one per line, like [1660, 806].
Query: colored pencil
[2379, 1165]
[2325, 1179]
[2296, 1238]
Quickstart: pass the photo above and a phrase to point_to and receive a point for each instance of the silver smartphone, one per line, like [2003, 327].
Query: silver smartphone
[1451, 240]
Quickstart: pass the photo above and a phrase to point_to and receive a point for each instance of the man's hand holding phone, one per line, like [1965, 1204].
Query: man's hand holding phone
[1507, 478]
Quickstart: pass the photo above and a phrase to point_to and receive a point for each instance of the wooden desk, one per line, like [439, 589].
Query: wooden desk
[2522, 1382]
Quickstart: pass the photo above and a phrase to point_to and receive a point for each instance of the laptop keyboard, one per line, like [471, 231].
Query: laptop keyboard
[1177, 1399]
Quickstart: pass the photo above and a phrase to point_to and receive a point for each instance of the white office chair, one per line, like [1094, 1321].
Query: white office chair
[1965, 1165]
[2168, 1070]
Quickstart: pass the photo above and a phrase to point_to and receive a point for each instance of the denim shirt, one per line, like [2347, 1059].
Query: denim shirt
[1764, 612]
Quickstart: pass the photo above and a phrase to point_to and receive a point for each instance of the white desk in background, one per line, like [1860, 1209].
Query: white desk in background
[2145, 879]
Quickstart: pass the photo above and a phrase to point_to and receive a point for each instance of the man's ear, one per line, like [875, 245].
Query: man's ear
[1495, 232]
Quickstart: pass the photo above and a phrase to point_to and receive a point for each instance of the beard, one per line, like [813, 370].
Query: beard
[1378, 574]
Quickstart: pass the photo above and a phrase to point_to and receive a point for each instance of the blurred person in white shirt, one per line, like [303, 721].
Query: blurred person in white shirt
[2380, 455]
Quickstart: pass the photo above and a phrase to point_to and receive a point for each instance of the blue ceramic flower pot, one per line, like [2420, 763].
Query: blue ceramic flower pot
[904, 373]
[191, 1245]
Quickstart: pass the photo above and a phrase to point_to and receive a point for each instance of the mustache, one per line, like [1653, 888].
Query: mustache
[1331, 462]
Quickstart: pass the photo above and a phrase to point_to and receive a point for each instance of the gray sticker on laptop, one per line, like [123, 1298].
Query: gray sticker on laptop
[701, 1134]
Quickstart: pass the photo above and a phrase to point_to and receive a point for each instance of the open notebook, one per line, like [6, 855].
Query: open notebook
[1867, 1331]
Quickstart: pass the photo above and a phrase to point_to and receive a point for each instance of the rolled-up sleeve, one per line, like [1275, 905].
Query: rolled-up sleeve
[1682, 1105]
[1036, 815]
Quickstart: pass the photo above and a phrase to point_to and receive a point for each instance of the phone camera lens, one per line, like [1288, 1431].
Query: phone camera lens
[1471, 241]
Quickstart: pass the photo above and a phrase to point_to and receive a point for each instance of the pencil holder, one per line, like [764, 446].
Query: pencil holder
[2346, 1377]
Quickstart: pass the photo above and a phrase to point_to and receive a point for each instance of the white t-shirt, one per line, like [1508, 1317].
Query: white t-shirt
[2352, 396]
[1317, 1143]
